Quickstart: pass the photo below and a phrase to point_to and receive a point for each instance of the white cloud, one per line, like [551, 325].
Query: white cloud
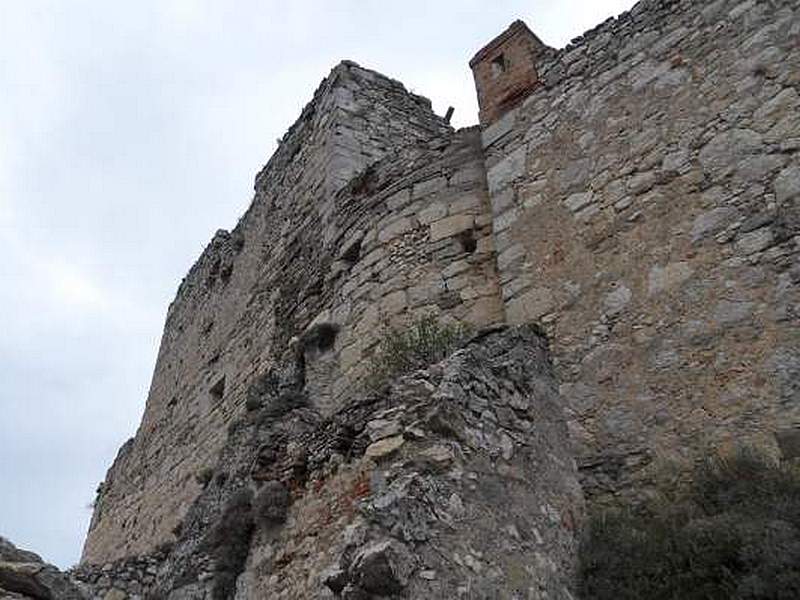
[69, 285]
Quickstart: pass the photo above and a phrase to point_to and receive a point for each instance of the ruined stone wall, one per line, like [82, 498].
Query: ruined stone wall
[641, 203]
[415, 239]
[249, 293]
[646, 210]
[455, 481]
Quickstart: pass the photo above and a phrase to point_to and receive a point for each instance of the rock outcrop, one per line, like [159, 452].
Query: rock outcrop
[25, 576]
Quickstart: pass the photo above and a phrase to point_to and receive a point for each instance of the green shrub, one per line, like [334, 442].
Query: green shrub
[751, 483]
[271, 503]
[424, 342]
[734, 536]
[204, 476]
[229, 543]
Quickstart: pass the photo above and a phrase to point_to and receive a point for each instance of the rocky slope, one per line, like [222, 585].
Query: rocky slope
[24, 575]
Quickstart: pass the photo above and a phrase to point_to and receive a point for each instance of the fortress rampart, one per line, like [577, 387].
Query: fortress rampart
[635, 193]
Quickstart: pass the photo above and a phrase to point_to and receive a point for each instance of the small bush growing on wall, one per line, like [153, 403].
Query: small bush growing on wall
[734, 536]
[271, 503]
[204, 476]
[422, 343]
[229, 543]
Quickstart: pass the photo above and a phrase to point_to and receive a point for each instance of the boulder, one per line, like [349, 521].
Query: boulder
[24, 575]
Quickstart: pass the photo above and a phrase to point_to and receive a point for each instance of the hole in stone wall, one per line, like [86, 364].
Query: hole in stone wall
[218, 389]
[206, 326]
[467, 240]
[321, 337]
[499, 65]
[226, 272]
[364, 183]
[352, 253]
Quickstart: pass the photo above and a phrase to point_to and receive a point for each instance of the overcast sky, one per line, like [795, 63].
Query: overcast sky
[129, 133]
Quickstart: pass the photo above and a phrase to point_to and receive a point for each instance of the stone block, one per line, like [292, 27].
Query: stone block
[712, 221]
[423, 294]
[510, 256]
[587, 213]
[499, 128]
[469, 202]
[384, 447]
[787, 184]
[530, 306]
[617, 299]
[502, 201]
[395, 229]
[726, 149]
[485, 310]
[398, 200]
[576, 202]
[428, 187]
[485, 245]
[668, 276]
[455, 268]
[787, 101]
[506, 171]
[575, 175]
[642, 182]
[433, 211]
[450, 226]
[468, 175]
[754, 168]
[349, 357]
[373, 257]
[394, 303]
[754, 241]
[368, 321]
[505, 220]
[676, 161]
[729, 313]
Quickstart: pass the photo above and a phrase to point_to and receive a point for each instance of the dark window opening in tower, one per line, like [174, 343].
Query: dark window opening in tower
[499, 65]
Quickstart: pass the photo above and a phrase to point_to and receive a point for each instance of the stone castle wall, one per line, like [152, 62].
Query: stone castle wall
[646, 210]
[415, 239]
[641, 203]
[455, 481]
[459, 484]
[248, 294]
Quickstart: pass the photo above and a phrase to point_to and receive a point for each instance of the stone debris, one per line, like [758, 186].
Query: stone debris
[481, 447]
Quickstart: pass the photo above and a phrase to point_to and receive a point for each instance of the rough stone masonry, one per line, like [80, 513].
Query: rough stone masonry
[637, 194]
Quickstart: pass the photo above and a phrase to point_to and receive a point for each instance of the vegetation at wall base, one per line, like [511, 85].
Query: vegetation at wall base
[229, 543]
[735, 535]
